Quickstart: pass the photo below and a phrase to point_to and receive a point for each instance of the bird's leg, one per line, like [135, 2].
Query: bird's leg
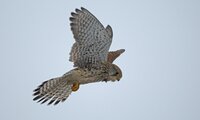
[75, 86]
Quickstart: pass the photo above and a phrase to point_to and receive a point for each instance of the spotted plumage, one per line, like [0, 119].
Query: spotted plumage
[90, 55]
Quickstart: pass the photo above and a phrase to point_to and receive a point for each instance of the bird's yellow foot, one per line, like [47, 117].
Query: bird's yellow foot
[75, 86]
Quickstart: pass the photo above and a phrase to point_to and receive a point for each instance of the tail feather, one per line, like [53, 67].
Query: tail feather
[55, 90]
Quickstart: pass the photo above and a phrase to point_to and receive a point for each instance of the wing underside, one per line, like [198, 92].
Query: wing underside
[92, 39]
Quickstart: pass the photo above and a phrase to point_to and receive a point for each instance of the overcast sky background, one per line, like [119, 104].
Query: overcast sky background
[161, 65]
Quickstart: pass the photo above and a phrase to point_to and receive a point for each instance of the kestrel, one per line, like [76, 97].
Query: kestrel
[90, 55]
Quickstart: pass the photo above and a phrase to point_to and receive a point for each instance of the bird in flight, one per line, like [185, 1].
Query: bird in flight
[91, 57]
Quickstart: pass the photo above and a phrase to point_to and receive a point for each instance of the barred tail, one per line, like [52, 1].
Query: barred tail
[55, 90]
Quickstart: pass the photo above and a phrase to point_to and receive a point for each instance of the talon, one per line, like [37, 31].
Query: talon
[75, 86]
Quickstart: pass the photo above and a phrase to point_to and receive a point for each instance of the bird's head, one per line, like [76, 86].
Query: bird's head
[115, 73]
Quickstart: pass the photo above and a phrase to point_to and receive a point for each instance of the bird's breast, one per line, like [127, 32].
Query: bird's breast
[84, 76]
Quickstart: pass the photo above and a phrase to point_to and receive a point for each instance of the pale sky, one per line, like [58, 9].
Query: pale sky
[161, 65]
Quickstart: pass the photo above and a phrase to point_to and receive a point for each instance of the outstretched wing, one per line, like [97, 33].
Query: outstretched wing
[112, 55]
[92, 39]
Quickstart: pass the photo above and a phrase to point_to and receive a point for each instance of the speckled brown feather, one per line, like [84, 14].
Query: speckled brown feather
[112, 55]
[92, 39]
[90, 56]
